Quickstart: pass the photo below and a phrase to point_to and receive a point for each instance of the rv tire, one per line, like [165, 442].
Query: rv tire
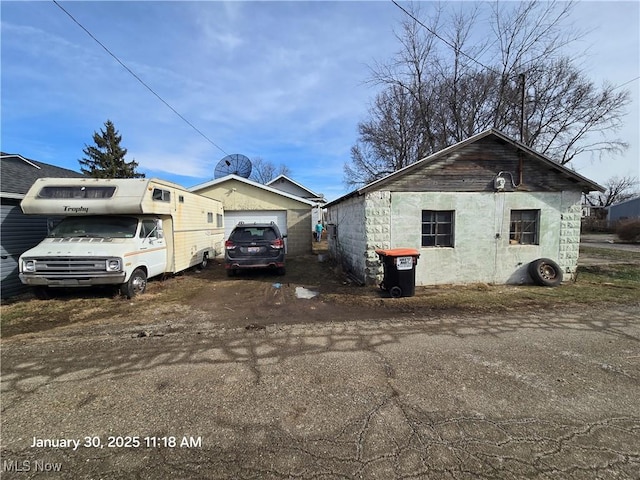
[136, 285]
[205, 261]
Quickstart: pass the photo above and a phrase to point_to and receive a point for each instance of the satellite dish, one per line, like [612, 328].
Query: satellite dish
[235, 164]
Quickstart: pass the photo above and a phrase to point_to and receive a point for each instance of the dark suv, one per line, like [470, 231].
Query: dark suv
[254, 245]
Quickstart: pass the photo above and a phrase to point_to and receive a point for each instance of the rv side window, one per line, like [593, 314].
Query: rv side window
[161, 195]
[76, 192]
[219, 222]
[209, 217]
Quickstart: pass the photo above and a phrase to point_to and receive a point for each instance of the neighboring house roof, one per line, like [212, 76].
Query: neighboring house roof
[586, 184]
[625, 202]
[307, 193]
[227, 178]
[19, 173]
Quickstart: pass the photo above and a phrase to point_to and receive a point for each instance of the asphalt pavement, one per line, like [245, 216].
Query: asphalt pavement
[549, 394]
[608, 241]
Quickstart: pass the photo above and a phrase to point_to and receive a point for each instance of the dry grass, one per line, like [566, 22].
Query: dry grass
[626, 256]
[211, 295]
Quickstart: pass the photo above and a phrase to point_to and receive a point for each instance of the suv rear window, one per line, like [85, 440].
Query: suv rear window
[253, 234]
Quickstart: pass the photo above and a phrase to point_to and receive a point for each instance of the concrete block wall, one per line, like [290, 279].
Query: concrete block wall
[377, 209]
[348, 247]
[482, 250]
[570, 233]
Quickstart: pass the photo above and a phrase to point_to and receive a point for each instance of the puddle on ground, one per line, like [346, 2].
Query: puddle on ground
[302, 292]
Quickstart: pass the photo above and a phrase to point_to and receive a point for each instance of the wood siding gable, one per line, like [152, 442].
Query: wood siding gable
[474, 167]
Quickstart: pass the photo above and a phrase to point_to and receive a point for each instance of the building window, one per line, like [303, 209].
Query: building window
[524, 227]
[161, 195]
[437, 228]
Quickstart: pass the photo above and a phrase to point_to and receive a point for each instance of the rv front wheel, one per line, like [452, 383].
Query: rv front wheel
[136, 285]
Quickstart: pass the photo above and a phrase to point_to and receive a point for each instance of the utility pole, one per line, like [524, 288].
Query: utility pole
[522, 83]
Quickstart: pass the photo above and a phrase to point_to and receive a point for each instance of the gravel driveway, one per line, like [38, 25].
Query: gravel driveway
[523, 395]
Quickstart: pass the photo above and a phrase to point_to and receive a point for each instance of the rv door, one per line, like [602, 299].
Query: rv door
[152, 247]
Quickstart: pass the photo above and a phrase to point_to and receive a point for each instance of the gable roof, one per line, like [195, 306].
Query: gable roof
[284, 178]
[628, 201]
[19, 173]
[586, 184]
[226, 178]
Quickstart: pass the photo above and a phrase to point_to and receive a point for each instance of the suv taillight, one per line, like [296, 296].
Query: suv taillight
[229, 245]
[278, 243]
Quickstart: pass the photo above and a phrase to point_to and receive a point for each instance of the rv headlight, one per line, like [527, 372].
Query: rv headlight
[113, 265]
[28, 265]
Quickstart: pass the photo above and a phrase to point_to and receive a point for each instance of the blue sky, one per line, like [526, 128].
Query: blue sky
[283, 81]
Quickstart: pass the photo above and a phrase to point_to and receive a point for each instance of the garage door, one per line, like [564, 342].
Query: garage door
[233, 217]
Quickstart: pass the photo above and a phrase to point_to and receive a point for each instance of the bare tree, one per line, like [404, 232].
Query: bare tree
[263, 171]
[390, 140]
[444, 86]
[618, 189]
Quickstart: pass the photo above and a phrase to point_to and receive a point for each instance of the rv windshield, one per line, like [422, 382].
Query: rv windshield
[96, 226]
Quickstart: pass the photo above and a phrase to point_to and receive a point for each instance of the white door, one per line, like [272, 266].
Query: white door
[153, 247]
[233, 217]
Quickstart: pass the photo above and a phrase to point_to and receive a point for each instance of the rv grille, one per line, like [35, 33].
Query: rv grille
[66, 265]
[82, 240]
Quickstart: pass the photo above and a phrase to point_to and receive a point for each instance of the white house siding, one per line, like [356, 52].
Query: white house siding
[349, 245]
[482, 252]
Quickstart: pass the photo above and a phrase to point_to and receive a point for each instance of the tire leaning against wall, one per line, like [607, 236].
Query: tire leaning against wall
[545, 272]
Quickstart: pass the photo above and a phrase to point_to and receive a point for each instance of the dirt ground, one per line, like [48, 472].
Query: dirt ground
[256, 299]
[253, 299]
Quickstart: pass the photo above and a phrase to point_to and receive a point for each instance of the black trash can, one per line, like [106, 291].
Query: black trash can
[399, 271]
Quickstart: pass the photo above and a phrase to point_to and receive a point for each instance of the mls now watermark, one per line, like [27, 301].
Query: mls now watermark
[18, 466]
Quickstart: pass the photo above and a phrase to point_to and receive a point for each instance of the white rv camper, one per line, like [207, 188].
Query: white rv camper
[118, 231]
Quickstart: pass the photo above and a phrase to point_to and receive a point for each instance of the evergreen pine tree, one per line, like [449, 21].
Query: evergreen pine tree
[106, 158]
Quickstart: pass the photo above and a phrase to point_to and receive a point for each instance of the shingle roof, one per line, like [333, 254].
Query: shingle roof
[217, 181]
[17, 173]
[310, 194]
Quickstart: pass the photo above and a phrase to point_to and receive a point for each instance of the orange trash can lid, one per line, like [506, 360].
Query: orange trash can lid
[399, 252]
